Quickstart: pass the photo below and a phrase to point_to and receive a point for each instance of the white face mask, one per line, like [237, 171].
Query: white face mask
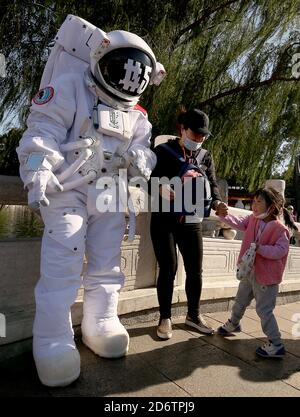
[262, 215]
[191, 145]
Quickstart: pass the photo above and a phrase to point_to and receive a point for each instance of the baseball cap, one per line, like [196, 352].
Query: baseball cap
[196, 120]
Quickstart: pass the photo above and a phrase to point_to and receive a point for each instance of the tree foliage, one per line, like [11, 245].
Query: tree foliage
[231, 58]
[9, 164]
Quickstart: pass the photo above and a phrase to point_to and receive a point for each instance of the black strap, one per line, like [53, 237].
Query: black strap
[174, 153]
[199, 157]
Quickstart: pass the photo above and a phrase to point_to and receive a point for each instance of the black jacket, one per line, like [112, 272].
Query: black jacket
[169, 166]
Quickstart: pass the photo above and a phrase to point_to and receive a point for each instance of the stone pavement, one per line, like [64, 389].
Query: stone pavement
[188, 365]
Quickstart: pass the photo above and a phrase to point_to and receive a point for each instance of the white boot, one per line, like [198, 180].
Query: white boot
[107, 338]
[101, 328]
[57, 363]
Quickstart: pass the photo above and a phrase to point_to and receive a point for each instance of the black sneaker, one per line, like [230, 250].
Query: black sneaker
[199, 323]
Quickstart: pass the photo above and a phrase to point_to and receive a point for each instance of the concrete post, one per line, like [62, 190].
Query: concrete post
[278, 185]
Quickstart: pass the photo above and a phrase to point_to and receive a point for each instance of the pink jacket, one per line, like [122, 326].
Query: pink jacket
[272, 253]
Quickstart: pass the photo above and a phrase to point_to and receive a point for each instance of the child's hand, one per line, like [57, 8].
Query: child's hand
[166, 192]
[221, 209]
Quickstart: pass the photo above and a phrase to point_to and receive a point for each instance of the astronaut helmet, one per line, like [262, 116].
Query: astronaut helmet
[123, 66]
[124, 72]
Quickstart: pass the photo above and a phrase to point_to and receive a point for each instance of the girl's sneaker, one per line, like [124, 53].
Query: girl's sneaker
[269, 350]
[228, 328]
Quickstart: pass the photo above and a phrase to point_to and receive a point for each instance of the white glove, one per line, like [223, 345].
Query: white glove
[37, 184]
[143, 160]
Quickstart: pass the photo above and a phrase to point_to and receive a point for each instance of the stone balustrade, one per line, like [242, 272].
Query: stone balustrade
[20, 272]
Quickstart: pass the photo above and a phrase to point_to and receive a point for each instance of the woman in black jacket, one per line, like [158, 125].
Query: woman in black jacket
[169, 229]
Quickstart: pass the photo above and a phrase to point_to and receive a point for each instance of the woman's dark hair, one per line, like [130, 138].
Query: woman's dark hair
[181, 116]
[276, 201]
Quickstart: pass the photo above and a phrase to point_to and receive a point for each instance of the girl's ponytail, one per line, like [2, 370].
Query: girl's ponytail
[288, 220]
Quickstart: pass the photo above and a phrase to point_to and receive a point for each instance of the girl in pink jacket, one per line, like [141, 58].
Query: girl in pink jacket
[270, 239]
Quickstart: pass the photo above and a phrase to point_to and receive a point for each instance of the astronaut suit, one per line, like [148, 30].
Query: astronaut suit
[84, 126]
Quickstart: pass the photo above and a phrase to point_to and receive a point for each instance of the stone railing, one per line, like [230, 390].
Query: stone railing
[20, 271]
[12, 191]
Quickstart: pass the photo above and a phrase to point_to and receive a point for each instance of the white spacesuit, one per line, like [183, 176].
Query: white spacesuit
[84, 126]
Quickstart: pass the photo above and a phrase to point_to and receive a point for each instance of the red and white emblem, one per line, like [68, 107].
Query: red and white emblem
[43, 96]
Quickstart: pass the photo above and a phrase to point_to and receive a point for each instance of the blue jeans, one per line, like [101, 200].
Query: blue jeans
[265, 297]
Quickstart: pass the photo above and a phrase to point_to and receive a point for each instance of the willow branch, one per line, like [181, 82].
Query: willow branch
[247, 87]
[206, 14]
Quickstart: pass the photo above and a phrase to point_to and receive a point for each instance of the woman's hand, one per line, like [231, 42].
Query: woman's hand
[191, 173]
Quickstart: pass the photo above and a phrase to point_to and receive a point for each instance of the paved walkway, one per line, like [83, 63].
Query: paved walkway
[188, 365]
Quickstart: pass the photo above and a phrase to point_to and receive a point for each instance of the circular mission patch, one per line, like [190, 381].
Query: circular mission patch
[43, 96]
